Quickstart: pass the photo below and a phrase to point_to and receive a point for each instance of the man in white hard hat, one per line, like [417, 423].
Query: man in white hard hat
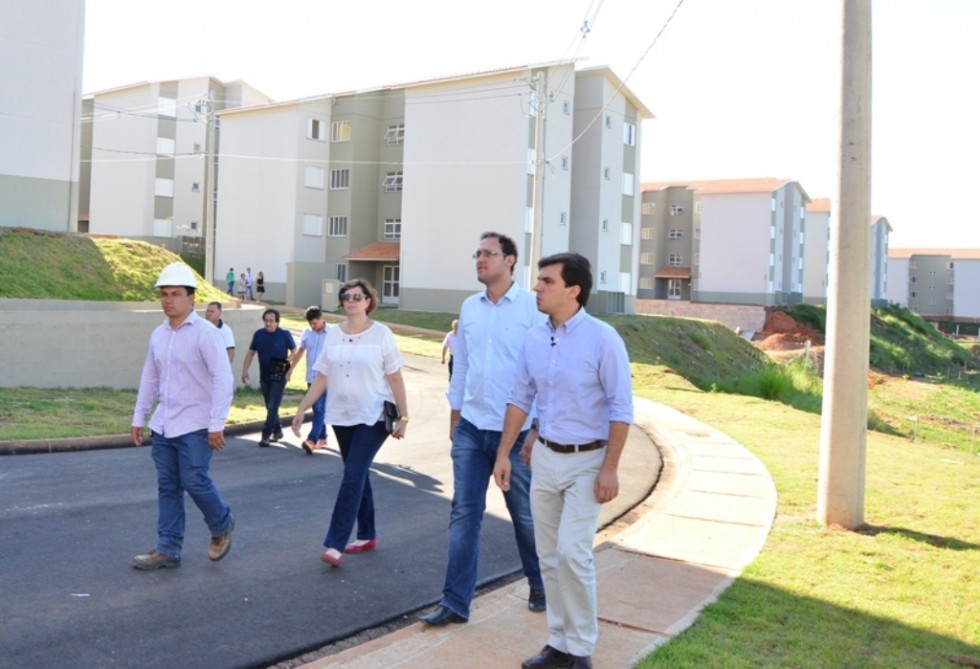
[188, 371]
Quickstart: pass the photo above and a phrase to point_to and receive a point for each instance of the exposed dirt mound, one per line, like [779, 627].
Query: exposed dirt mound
[782, 332]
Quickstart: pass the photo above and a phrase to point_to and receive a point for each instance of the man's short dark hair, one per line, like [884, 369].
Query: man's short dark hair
[217, 305]
[507, 245]
[312, 313]
[576, 270]
[270, 311]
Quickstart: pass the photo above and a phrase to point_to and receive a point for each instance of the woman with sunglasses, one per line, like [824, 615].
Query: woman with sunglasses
[361, 365]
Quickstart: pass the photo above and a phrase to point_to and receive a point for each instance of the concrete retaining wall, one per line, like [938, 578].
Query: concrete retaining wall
[75, 344]
[747, 318]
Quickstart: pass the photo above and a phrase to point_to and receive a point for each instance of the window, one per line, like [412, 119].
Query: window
[673, 289]
[563, 162]
[393, 182]
[697, 207]
[605, 173]
[697, 233]
[315, 129]
[390, 277]
[163, 227]
[339, 179]
[675, 234]
[675, 259]
[625, 233]
[696, 259]
[648, 233]
[566, 107]
[196, 187]
[197, 148]
[167, 107]
[629, 134]
[313, 225]
[605, 225]
[164, 187]
[629, 188]
[193, 225]
[341, 272]
[646, 283]
[602, 277]
[676, 210]
[166, 146]
[395, 134]
[313, 177]
[608, 121]
[393, 228]
[340, 131]
[648, 208]
[337, 226]
[563, 218]
[648, 258]
[914, 264]
[913, 279]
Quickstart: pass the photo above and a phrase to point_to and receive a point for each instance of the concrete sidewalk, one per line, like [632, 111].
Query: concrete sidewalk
[707, 519]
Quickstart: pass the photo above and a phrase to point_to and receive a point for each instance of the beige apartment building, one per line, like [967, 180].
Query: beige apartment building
[734, 241]
[40, 110]
[396, 184]
[145, 155]
[938, 283]
[816, 258]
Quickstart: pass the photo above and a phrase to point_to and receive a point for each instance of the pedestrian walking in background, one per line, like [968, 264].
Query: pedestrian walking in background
[313, 339]
[241, 288]
[274, 346]
[249, 283]
[260, 285]
[188, 376]
[360, 370]
[448, 344]
[213, 316]
[230, 280]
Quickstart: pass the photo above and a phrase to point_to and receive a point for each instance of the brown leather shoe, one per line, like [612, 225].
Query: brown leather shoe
[219, 545]
[548, 658]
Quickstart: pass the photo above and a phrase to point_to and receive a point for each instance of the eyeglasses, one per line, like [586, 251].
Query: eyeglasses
[483, 253]
[352, 297]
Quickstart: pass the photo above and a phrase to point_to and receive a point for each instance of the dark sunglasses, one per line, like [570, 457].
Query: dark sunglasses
[352, 297]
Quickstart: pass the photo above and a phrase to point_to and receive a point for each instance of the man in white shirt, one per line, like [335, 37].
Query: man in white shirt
[213, 315]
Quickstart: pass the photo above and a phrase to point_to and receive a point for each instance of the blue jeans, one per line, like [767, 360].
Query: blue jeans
[272, 394]
[358, 446]
[231, 287]
[474, 454]
[318, 430]
[182, 464]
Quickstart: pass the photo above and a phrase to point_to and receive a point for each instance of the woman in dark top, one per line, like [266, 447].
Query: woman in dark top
[260, 285]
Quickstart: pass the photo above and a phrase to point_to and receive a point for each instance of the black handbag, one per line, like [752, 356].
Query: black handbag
[278, 369]
[391, 416]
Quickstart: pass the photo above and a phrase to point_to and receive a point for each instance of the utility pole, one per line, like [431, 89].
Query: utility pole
[540, 106]
[844, 426]
[209, 190]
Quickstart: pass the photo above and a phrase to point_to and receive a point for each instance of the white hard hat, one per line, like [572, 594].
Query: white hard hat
[177, 274]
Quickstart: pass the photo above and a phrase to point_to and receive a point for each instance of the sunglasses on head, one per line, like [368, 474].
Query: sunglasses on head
[352, 297]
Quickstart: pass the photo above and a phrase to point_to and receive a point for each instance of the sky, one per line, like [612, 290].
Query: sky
[739, 89]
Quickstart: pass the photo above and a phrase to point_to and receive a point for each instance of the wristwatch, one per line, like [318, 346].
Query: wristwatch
[535, 425]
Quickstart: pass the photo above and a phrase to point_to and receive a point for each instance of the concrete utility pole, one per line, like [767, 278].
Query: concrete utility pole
[540, 106]
[209, 191]
[843, 432]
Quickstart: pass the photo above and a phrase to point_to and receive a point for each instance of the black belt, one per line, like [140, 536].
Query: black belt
[565, 448]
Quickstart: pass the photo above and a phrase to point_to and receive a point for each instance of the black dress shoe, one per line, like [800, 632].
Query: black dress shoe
[536, 600]
[580, 662]
[442, 617]
[548, 658]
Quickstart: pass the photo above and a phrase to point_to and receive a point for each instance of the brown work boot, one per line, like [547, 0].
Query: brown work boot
[155, 560]
[220, 544]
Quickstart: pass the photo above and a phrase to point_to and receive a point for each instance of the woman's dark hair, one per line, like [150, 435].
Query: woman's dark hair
[365, 286]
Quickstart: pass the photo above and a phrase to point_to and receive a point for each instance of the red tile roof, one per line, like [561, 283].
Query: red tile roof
[673, 273]
[958, 254]
[820, 205]
[378, 251]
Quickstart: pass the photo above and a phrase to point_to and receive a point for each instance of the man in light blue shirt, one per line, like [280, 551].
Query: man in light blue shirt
[492, 326]
[313, 339]
[575, 372]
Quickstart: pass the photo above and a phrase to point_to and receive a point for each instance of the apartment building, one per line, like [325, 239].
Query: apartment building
[40, 110]
[938, 283]
[735, 241]
[396, 184]
[816, 259]
[146, 148]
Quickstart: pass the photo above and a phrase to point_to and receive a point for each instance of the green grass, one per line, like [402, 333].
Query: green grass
[901, 592]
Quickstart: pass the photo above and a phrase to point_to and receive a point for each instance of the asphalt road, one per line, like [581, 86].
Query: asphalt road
[70, 523]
